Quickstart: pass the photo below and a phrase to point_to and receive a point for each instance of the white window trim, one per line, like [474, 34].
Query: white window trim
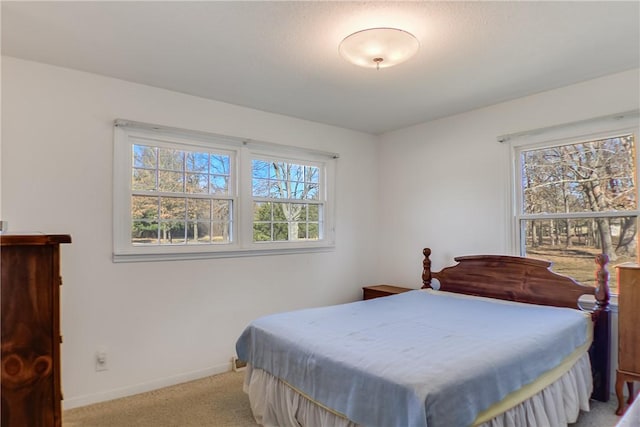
[244, 150]
[569, 133]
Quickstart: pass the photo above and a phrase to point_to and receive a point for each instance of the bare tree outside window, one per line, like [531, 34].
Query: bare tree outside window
[579, 200]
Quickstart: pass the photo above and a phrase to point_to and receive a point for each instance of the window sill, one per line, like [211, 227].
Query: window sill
[147, 257]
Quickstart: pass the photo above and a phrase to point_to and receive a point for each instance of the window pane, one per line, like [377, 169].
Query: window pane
[260, 187]
[144, 207]
[262, 211]
[311, 192]
[171, 182]
[593, 176]
[572, 244]
[261, 232]
[280, 231]
[260, 169]
[196, 183]
[314, 213]
[172, 208]
[144, 232]
[199, 209]
[144, 157]
[220, 164]
[221, 210]
[197, 162]
[302, 230]
[297, 190]
[144, 179]
[311, 174]
[279, 210]
[219, 184]
[303, 208]
[277, 170]
[314, 231]
[295, 172]
[220, 232]
[170, 159]
[279, 190]
[172, 232]
[198, 232]
[294, 211]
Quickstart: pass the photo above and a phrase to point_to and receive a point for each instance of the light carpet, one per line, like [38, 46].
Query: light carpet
[219, 401]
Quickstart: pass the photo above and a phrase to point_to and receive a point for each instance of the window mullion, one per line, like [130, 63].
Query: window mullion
[245, 202]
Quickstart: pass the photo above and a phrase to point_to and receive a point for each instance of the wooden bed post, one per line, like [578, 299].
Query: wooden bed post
[602, 277]
[426, 268]
[600, 350]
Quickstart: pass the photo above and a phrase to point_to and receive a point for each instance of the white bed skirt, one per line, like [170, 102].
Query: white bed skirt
[276, 404]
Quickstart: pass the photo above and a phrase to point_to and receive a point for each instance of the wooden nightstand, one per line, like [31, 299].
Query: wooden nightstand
[377, 291]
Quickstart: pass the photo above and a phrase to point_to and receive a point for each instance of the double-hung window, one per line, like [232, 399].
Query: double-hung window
[287, 202]
[181, 194]
[576, 197]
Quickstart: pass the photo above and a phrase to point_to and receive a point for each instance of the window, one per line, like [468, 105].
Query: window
[575, 198]
[286, 201]
[181, 194]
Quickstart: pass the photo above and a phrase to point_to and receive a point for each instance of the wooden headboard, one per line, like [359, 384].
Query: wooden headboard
[531, 281]
[516, 279]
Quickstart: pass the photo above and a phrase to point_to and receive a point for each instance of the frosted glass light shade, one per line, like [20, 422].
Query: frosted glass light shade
[379, 47]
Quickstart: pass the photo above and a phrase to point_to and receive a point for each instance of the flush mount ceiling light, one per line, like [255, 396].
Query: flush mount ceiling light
[379, 47]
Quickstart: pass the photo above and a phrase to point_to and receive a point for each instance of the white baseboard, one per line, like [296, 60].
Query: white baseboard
[77, 401]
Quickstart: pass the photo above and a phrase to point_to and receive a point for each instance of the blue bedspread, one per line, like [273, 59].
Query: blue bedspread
[414, 359]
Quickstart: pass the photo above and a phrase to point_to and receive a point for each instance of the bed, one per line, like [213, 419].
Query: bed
[492, 341]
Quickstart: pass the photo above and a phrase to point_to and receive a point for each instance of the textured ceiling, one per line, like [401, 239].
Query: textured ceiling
[282, 57]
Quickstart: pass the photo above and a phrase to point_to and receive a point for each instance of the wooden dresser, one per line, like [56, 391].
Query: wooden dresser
[31, 385]
[377, 291]
[628, 331]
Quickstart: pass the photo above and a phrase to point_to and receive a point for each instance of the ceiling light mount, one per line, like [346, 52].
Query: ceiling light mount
[379, 47]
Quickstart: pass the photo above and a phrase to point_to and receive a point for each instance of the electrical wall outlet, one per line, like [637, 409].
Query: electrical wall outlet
[101, 359]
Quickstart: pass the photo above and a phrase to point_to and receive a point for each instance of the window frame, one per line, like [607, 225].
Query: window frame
[128, 133]
[571, 133]
[319, 201]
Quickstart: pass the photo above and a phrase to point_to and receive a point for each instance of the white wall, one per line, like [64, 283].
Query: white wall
[445, 183]
[161, 322]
